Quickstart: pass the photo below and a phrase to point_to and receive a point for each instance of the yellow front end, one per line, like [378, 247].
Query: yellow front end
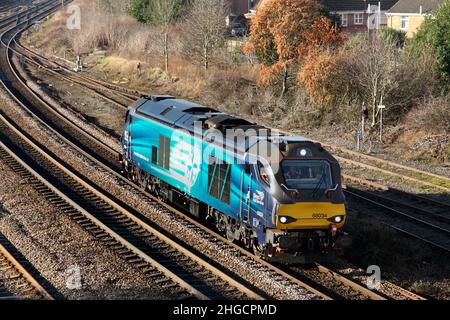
[310, 215]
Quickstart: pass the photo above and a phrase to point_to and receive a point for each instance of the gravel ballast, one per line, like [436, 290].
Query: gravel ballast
[167, 220]
[55, 246]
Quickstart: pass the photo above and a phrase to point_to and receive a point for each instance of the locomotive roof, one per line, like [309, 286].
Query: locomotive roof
[183, 114]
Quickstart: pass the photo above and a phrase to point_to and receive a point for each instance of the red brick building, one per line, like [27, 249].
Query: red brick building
[360, 15]
[239, 7]
[356, 15]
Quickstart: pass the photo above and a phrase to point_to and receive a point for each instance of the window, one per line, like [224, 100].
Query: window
[164, 152]
[404, 22]
[165, 111]
[154, 155]
[307, 174]
[344, 19]
[219, 178]
[359, 18]
[263, 173]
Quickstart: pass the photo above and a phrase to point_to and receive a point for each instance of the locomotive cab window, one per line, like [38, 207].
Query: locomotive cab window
[263, 173]
[307, 174]
[163, 152]
[219, 179]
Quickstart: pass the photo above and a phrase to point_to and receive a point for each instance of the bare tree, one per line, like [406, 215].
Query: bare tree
[372, 68]
[375, 71]
[205, 28]
[163, 12]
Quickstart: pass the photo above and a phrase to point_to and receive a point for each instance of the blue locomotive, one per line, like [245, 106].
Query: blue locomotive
[280, 196]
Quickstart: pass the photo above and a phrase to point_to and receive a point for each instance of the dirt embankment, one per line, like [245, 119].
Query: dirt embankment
[120, 50]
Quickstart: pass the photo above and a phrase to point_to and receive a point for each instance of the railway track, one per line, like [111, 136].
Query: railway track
[337, 286]
[428, 180]
[110, 214]
[430, 233]
[276, 272]
[417, 216]
[59, 122]
[341, 287]
[115, 97]
[120, 98]
[21, 14]
[157, 255]
[16, 282]
[130, 237]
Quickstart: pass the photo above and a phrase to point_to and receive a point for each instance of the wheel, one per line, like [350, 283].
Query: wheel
[142, 180]
[229, 233]
[127, 170]
[258, 250]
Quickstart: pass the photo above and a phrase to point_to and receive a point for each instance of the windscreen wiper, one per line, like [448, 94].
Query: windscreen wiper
[321, 180]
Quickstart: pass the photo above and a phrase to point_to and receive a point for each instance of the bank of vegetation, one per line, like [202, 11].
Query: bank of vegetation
[295, 69]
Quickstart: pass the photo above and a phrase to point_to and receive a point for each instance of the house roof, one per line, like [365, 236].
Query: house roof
[413, 6]
[355, 5]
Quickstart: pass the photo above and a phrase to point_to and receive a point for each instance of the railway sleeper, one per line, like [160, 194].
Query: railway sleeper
[129, 256]
[154, 274]
[163, 280]
[135, 260]
[122, 251]
[147, 268]
[170, 285]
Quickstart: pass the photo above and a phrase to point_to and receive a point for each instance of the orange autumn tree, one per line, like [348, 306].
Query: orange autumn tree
[284, 32]
[317, 75]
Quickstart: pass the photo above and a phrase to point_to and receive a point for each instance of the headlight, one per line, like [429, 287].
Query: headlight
[286, 219]
[336, 219]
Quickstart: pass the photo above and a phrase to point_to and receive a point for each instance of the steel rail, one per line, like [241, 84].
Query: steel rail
[267, 265]
[201, 226]
[129, 215]
[98, 223]
[125, 213]
[113, 154]
[413, 235]
[343, 150]
[387, 162]
[398, 212]
[405, 206]
[401, 193]
[390, 173]
[51, 108]
[94, 88]
[82, 78]
[350, 283]
[372, 294]
[27, 277]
